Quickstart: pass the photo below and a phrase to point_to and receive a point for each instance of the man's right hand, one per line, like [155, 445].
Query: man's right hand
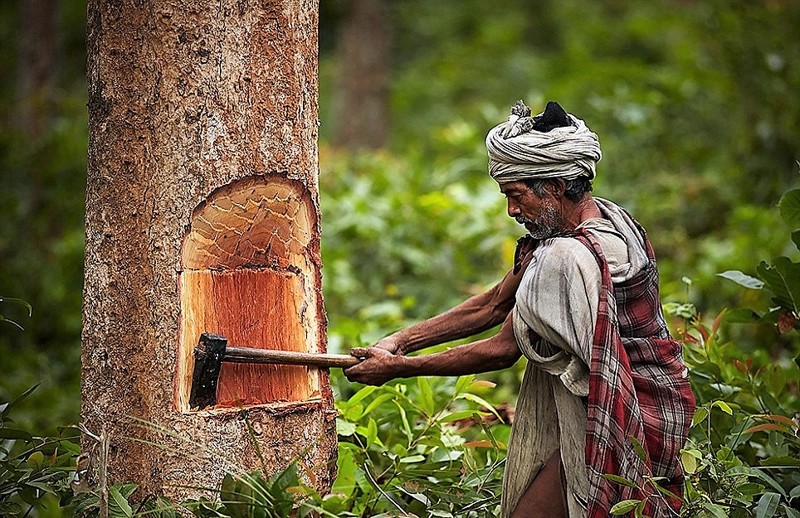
[377, 366]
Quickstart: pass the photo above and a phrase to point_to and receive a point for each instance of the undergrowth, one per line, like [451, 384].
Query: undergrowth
[418, 448]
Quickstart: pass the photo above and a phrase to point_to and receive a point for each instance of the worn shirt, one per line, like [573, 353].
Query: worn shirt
[555, 323]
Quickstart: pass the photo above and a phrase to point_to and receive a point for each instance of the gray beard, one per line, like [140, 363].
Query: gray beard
[547, 225]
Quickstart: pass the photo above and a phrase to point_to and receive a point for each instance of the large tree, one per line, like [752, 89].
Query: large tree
[202, 215]
[362, 98]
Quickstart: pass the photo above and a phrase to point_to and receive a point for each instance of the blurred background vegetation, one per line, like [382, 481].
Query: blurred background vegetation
[695, 104]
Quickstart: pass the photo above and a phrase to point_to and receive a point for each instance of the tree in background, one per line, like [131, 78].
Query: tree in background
[42, 185]
[37, 68]
[363, 80]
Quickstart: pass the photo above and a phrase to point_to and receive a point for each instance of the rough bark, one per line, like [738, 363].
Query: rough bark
[362, 111]
[202, 214]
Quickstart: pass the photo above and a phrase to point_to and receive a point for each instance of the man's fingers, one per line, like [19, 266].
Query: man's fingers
[359, 352]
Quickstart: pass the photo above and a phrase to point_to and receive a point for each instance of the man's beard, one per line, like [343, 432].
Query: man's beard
[548, 224]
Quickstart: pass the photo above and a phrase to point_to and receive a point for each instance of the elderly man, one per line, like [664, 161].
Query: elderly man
[582, 304]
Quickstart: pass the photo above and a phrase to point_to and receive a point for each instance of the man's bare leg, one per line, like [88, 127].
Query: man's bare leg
[544, 498]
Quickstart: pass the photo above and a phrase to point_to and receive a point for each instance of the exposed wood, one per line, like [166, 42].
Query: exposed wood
[244, 276]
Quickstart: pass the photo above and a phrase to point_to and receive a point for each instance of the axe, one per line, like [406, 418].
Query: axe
[213, 349]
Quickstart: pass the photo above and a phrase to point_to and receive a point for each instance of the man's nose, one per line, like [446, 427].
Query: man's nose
[513, 209]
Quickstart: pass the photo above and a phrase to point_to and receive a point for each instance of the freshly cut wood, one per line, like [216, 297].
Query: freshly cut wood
[244, 276]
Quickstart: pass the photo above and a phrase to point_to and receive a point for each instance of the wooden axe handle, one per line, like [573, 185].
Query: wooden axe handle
[248, 355]
[213, 349]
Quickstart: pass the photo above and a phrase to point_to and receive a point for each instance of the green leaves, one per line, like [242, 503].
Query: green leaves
[35, 472]
[420, 448]
[725, 407]
[619, 480]
[624, 507]
[742, 279]
[639, 449]
[743, 447]
[345, 428]
[118, 506]
[251, 496]
[767, 505]
[789, 206]
[17, 302]
[689, 460]
[782, 277]
[426, 396]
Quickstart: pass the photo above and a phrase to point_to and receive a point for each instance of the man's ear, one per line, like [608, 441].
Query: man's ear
[556, 187]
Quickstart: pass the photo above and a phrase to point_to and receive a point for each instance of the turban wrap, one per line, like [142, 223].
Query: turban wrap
[554, 144]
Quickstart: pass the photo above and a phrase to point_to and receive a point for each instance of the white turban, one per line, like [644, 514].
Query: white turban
[519, 152]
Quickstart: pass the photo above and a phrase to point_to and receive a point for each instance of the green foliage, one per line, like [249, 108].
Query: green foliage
[415, 448]
[744, 451]
[253, 496]
[743, 454]
[695, 106]
[693, 103]
[18, 302]
[780, 276]
[35, 472]
[398, 227]
[43, 176]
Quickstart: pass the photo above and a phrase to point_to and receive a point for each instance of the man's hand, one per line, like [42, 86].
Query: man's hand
[378, 366]
[390, 343]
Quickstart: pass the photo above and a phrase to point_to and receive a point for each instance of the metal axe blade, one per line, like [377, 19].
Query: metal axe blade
[213, 349]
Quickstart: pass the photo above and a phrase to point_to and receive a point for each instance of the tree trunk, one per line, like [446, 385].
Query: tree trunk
[362, 111]
[38, 48]
[202, 215]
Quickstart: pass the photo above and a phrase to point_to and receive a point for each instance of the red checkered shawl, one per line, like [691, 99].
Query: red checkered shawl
[637, 388]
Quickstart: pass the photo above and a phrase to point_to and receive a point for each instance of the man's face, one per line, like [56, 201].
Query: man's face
[540, 215]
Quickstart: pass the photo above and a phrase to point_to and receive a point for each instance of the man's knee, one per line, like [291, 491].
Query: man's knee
[545, 496]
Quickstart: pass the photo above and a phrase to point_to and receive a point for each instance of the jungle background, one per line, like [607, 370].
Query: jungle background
[696, 106]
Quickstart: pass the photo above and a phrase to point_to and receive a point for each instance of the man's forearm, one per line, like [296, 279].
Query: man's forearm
[482, 356]
[379, 365]
[473, 316]
[459, 322]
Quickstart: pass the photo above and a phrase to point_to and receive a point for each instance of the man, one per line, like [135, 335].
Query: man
[582, 305]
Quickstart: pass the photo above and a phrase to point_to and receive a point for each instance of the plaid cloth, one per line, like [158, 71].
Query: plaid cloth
[638, 387]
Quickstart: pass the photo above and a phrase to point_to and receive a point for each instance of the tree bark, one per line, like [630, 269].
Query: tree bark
[362, 111]
[202, 215]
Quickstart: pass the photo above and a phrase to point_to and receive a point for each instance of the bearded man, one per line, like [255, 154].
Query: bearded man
[582, 305]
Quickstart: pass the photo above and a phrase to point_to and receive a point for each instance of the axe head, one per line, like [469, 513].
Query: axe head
[208, 356]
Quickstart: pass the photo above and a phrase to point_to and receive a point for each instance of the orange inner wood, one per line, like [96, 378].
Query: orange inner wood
[251, 309]
[246, 275]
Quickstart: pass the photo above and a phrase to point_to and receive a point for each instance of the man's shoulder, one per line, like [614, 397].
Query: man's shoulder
[563, 253]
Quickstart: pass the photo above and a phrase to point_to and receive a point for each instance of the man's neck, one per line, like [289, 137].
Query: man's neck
[575, 213]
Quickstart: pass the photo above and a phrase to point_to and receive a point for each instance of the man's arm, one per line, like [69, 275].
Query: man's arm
[473, 316]
[380, 366]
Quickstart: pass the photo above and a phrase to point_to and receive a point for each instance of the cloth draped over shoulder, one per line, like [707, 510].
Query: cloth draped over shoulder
[605, 342]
